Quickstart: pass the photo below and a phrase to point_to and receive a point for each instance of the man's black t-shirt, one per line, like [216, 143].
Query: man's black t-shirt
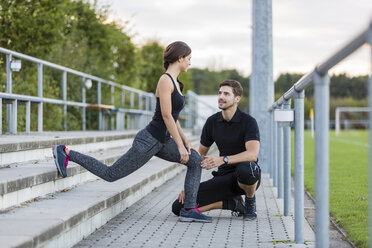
[230, 136]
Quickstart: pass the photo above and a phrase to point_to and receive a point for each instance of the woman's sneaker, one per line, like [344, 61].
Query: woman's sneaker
[60, 159]
[194, 215]
[250, 208]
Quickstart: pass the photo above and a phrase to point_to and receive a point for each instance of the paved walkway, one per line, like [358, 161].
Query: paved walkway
[150, 223]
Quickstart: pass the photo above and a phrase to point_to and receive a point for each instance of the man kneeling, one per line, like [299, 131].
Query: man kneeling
[237, 137]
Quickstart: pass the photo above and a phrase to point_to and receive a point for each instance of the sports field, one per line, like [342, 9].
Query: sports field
[348, 181]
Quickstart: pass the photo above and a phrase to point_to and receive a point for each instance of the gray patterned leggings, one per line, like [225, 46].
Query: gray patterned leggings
[144, 147]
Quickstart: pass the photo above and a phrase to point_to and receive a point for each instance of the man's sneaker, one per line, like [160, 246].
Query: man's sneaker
[250, 208]
[194, 215]
[239, 209]
[60, 159]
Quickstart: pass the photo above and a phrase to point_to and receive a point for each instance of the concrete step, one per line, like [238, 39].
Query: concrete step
[35, 147]
[65, 218]
[59, 212]
[23, 182]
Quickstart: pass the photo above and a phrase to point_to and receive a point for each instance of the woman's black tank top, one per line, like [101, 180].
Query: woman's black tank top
[157, 126]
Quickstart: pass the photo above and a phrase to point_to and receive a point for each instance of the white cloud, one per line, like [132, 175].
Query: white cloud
[219, 31]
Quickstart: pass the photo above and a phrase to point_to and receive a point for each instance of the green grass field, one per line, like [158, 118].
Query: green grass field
[348, 181]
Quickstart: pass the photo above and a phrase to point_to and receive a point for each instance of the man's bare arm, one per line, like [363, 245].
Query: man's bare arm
[203, 150]
[249, 155]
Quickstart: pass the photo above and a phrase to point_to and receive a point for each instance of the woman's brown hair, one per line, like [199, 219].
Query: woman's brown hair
[174, 52]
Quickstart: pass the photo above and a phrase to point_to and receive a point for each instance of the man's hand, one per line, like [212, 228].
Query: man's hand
[211, 162]
[181, 197]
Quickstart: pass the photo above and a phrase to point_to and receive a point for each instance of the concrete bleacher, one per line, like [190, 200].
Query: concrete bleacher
[39, 208]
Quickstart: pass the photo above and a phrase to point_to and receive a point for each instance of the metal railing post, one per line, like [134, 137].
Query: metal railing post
[83, 109]
[141, 118]
[40, 94]
[1, 116]
[270, 138]
[370, 135]
[275, 150]
[139, 101]
[112, 91]
[189, 110]
[131, 99]
[147, 103]
[64, 98]
[100, 115]
[8, 90]
[321, 90]
[13, 128]
[28, 114]
[272, 145]
[299, 165]
[287, 162]
[196, 111]
[280, 158]
[153, 102]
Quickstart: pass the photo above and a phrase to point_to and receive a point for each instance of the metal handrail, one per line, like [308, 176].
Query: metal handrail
[318, 76]
[322, 69]
[72, 71]
[138, 117]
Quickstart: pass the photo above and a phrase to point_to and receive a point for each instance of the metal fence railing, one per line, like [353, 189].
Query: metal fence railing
[280, 150]
[135, 116]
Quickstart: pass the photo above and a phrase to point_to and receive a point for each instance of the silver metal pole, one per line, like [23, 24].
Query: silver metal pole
[299, 165]
[280, 159]
[337, 122]
[112, 91]
[83, 109]
[13, 129]
[196, 109]
[8, 90]
[261, 91]
[40, 94]
[370, 136]
[275, 157]
[28, 114]
[189, 110]
[321, 110]
[139, 101]
[287, 162]
[131, 99]
[147, 103]
[272, 145]
[64, 98]
[270, 137]
[100, 116]
[1, 116]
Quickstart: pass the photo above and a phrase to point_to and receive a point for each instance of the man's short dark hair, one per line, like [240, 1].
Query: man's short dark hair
[235, 85]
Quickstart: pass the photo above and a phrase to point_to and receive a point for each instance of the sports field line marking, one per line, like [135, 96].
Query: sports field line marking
[350, 142]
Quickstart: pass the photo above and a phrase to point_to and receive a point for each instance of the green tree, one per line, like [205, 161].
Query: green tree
[285, 81]
[32, 27]
[151, 65]
[207, 82]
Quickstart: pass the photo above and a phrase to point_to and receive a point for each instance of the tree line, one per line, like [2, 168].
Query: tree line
[345, 90]
[78, 34]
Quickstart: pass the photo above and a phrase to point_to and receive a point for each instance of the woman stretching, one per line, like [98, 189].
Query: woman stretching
[163, 137]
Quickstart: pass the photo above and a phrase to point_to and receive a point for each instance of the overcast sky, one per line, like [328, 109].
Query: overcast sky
[220, 34]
